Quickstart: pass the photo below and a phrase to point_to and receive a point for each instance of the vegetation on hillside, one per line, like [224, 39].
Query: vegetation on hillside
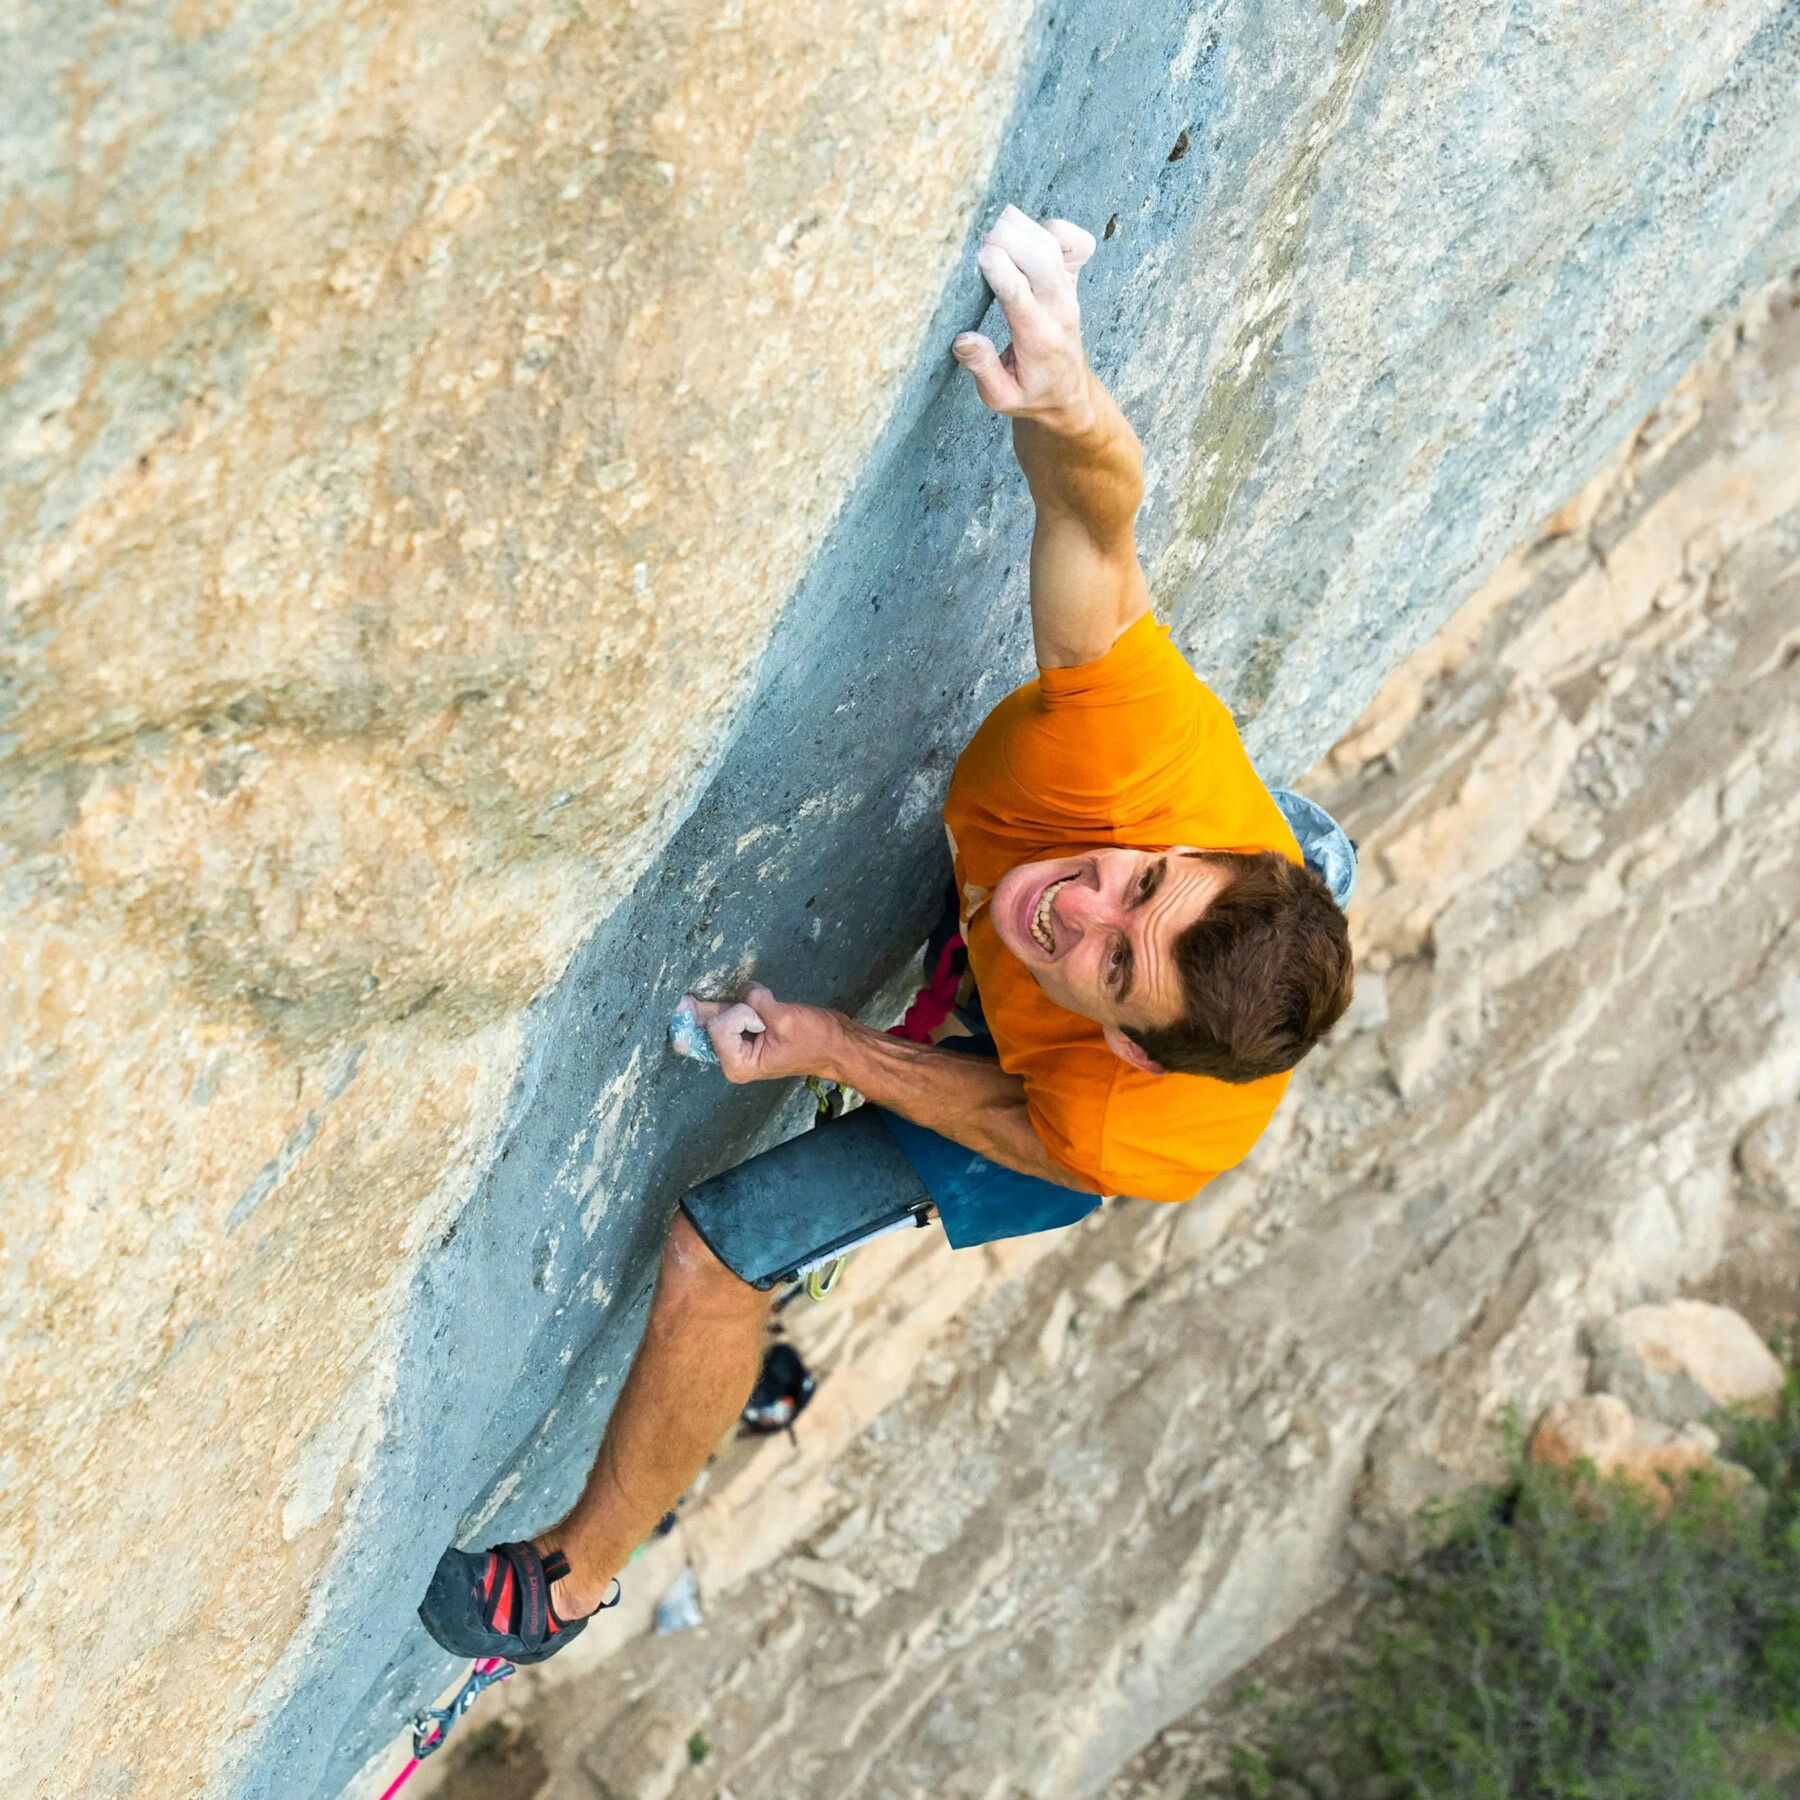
[1563, 1643]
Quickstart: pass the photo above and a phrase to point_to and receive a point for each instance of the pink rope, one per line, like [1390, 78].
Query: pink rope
[484, 1665]
[400, 1780]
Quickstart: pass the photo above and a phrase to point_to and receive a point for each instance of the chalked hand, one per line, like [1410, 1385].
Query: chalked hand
[760, 1038]
[687, 1036]
[1042, 374]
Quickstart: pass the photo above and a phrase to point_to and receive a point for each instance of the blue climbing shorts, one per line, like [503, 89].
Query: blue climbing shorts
[856, 1178]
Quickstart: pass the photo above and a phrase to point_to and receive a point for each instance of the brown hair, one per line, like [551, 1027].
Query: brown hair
[1265, 973]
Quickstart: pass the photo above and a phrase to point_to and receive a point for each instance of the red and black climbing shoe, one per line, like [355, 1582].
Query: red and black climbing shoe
[497, 1603]
[782, 1392]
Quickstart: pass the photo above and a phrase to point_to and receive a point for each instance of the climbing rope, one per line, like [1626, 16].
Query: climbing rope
[432, 1726]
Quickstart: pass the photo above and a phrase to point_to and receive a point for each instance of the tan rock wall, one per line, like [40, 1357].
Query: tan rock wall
[422, 415]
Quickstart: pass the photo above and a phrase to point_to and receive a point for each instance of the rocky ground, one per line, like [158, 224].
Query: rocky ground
[1049, 1501]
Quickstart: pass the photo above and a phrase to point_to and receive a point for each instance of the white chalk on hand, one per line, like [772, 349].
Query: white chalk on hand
[687, 1037]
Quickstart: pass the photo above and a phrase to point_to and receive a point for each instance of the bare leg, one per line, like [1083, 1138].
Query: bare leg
[699, 1359]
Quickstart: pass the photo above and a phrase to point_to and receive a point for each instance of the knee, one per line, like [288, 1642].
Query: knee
[694, 1284]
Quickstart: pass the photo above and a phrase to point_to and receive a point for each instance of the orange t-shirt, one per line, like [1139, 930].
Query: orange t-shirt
[1132, 750]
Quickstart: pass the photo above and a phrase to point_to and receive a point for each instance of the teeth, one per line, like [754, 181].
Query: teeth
[1040, 920]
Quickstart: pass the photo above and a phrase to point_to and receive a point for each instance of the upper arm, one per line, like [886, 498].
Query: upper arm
[1022, 1149]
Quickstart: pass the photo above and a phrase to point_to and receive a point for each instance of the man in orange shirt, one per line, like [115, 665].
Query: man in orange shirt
[1151, 951]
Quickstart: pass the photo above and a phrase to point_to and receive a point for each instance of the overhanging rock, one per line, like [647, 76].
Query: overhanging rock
[469, 668]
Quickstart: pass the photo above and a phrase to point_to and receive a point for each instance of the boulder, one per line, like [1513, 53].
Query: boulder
[1603, 1430]
[1680, 1361]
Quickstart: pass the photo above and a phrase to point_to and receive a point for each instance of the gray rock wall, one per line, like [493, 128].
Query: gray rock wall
[435, 639]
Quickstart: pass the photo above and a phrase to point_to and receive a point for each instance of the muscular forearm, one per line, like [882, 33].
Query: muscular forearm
[1084, 465]
[968, 1099]
[1085, 471]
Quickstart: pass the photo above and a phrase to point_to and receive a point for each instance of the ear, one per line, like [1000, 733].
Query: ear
[1127, 1051]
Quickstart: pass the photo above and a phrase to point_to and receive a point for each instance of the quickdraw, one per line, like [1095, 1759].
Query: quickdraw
[432, 1726]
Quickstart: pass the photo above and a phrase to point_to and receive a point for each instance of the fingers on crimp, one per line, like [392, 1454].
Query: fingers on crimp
[1004, 276]
[1076, 244]
[978, 355]
[1034, 252]
[736, 1021]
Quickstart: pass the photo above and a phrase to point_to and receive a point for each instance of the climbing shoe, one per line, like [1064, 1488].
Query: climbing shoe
[782, 1391]
[497, 1603]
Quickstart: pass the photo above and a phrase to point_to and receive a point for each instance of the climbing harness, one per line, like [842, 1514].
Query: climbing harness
[432, 1726]
[936, 1000]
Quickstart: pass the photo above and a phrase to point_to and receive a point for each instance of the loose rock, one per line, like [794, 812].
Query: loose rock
[1681, 1361]
[1601, 1429]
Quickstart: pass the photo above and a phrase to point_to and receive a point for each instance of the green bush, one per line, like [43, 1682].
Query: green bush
[1566, 1644]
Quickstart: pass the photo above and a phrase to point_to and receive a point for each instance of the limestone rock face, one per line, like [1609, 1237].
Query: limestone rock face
[417, 420]
[492, 537]
[1680, 1361]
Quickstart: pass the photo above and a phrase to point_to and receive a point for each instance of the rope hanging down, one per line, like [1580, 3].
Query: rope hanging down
[432, 1726]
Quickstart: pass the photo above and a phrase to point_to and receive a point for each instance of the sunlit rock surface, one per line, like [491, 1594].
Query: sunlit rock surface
[491, 535]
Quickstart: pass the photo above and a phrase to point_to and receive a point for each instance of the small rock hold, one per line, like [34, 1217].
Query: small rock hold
[1683, 1360]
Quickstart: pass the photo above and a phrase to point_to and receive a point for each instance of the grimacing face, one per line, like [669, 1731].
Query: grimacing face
[1098, 930]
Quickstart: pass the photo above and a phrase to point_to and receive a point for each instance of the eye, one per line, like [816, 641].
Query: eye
[1115, 964]
[1146, 884]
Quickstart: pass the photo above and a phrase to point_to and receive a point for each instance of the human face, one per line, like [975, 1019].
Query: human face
[1097, 931]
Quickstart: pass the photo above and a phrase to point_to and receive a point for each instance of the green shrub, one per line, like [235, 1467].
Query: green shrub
[1563, 1643]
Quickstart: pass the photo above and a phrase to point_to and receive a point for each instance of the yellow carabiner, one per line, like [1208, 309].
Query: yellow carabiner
[822, 1281]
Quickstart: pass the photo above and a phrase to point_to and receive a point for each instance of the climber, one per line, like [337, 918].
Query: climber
[1152, 949]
